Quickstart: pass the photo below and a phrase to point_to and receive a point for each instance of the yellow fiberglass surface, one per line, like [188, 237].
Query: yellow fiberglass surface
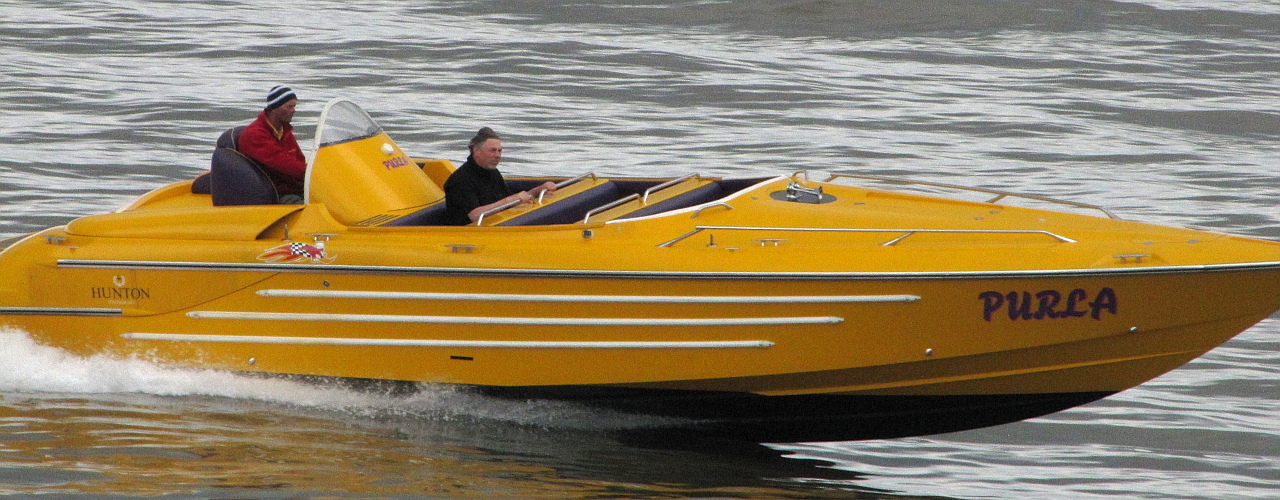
[361, 174]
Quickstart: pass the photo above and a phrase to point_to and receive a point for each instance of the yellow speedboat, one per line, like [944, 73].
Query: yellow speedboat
[774, 309]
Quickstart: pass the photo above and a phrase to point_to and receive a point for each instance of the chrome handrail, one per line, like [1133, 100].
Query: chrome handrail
[560, 185]
[1000, 194]
[660, 187]
[713, 205]
[907, 232]
[494, 210]
[567, 182]
[609, 205]
[504, 206]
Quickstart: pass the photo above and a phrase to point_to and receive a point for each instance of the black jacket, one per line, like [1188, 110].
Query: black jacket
[471, 186]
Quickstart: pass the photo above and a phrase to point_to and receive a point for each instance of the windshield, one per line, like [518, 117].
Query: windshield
[344, 121]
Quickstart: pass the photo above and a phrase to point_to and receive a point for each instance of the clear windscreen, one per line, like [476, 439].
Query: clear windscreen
[344, 121]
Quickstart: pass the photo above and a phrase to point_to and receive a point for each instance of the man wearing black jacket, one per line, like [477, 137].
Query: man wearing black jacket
[477, 186]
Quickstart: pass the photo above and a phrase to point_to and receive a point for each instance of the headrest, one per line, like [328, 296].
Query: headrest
[231, 138]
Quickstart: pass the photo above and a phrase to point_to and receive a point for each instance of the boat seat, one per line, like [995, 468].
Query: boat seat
[438, 170]
[201, 184]
[696, 196]
[234, 179]
[568, 210]
[229, 139]
[573, 208]
[429, 216]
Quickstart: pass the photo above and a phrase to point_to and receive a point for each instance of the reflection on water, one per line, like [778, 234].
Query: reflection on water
[97, 425]
[199, 446]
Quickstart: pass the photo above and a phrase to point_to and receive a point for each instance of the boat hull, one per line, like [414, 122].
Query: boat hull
[843, 335]
[812, 417]
[764, 356]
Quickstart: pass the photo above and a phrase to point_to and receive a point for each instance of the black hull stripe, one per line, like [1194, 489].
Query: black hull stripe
[59, 311]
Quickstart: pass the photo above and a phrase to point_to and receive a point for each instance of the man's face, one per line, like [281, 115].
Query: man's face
[488, 154]
[284, 114]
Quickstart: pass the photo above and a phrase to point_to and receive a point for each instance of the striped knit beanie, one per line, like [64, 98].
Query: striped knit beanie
[279, 95]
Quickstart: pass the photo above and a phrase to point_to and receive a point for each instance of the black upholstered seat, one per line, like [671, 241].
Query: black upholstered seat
[201, 184]
[429, 216]
[234, 179]
[696, 196]
[569, 210]
[229, 139]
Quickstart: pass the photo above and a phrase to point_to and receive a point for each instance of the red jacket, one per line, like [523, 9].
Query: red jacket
[282, 156]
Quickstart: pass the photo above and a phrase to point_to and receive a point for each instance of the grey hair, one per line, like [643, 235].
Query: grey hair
[484, 134]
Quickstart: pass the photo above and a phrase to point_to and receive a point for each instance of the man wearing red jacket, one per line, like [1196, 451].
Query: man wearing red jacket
[269, 141]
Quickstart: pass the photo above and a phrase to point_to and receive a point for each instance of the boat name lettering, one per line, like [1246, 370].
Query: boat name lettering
[1049, 304]
[396, 162]
[103, 292]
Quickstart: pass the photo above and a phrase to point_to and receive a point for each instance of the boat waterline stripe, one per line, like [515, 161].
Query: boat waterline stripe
[60, 311]
[509, 344]
[645, 299]
[602, 273]
[476, 320]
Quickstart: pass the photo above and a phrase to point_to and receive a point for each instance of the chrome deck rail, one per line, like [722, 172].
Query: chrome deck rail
[660, 187]
[607, 206]
[906, 232]
[494, 210]
[644, 199]
[999, 194]
[567, 182]
[507, 205]
[713, 205]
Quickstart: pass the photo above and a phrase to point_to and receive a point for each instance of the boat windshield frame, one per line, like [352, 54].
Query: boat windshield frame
[344, 121]
[341, 121]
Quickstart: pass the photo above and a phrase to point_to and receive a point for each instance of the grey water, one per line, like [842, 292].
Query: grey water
[1163, 111]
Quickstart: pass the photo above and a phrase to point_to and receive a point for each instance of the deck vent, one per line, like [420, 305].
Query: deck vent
[377, 220]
